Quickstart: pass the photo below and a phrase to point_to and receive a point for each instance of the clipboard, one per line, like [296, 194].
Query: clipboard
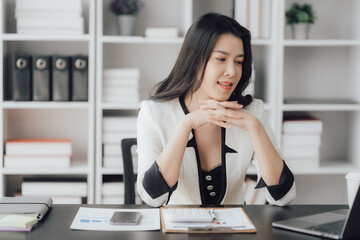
[226, 224]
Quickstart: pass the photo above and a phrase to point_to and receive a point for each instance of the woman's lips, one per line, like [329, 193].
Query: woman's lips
[225, 85]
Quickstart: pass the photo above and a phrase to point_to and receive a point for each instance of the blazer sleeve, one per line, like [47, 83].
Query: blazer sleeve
[284, 192]
[151, 186]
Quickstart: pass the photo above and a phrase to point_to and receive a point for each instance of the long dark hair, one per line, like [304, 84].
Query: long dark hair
[195, 52]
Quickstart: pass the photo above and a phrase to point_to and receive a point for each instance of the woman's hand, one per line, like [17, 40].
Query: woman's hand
[212, 111]
[227, 114]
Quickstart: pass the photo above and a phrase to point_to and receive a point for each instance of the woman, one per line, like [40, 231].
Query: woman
[198, 134]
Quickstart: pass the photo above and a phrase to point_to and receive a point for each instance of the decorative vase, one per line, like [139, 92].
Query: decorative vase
[300, 30]
[126, 24]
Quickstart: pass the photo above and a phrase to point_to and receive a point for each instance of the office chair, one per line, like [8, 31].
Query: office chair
[129, 176]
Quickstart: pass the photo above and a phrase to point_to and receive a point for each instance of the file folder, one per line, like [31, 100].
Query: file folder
[79, 78]
[19, 84]
[60, 78]
[41, 78]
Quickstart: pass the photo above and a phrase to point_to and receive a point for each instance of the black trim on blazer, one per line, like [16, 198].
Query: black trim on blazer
[155, 184]
[224, 149]
[285, 183]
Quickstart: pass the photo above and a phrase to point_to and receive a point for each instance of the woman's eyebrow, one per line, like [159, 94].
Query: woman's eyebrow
[226, 53]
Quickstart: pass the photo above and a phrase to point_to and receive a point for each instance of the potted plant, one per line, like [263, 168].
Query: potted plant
[300, 17]
[126, 12]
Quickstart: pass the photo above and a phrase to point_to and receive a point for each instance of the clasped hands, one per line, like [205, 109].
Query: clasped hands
[224, 114]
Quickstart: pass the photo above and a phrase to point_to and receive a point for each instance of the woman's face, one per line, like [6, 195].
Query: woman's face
[223, 70]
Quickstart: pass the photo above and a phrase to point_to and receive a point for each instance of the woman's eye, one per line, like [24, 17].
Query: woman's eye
[221, 59]
[239, 62]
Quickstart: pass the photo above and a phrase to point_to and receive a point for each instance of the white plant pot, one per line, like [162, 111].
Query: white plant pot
[126, 24]
[300, 30]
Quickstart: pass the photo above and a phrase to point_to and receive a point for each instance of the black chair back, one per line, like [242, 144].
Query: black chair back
[129, 176]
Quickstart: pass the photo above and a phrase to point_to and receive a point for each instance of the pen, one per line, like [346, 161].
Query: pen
[212, 213]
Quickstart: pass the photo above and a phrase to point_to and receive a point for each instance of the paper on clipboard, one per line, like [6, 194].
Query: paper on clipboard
[99, 219]
[228, 220]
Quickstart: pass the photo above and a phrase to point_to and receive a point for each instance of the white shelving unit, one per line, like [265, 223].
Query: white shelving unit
[322, 67]
[73, 120]
[325, 67]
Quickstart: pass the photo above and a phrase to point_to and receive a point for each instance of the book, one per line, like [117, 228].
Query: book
[54, 187]
[37, 147]
[254, 23]
[301, 152]
[302, 123]
[125, 124]
[241, 12]
[61, 23]
[133, 73]
[162, 32]
[49, 5]
[79, 78]
[48, 13]
[113, 188]
[19, 84]
[18, 221]
[303, 163]
[41, 77]
[67, 200]
[116, 137]
[48, 31]
[15, 229]
[111, 149]
[37, 161]
[301, 139]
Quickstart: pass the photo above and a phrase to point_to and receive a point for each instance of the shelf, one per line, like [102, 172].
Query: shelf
[261, 42]
[330, 167]
[142, 40]
[38, 37]
[79, 167]
[113, 171]
[45, 105]
[321, 43]
[118, 106]
[321, 107]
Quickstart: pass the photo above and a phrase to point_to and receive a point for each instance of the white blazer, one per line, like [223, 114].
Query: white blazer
[155, 124]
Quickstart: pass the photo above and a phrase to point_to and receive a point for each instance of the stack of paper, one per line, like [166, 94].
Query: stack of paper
[49, 17]
[17, 223]
[38, 153]
[113, 193]
[62, 191]
[255, 16]
[302, 140]
[121, 85]
[114, 130]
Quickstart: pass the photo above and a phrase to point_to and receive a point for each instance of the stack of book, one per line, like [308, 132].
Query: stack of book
[302, 140]
[114, 130]
[61, 190]
[113, 193]
[121, 85]
[38, 153]
[49, 17]
[255, 16]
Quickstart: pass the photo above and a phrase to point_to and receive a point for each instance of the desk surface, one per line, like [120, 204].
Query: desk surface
[56, 225]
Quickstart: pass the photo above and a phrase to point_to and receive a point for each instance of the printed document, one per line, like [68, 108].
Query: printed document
[225, 219]
[99, 219]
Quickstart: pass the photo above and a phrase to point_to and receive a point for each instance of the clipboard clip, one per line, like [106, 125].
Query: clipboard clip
[210, 229]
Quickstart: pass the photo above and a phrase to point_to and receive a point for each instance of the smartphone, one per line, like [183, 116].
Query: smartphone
[125, 218]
